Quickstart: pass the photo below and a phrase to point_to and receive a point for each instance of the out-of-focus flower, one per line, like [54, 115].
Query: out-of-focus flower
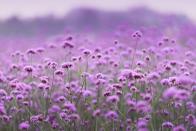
[54, 109]
[167, 125]
[179, 128]
[111, 115]
[170, 93]
[113, 99]
[24, 126]
[29, 69]
[137, 35]
[70, 107]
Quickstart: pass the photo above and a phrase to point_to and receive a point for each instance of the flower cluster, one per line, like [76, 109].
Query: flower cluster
[115, 87]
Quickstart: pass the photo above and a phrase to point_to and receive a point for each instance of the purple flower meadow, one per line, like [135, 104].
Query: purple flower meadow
[134, 81]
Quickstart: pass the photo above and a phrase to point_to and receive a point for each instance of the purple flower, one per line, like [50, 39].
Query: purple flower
[63, 115]
[128, 121]
[134, 89]
[67, 65]
[55, 125]
[54, 109]
[3, 93]
[190, 118]
[34, 119]
[165, 82]
[143, 107]
[74, 117]
[41, 86]
[67, 45]
[31, 51]
[112, 99]
[142, 124]
[111, 115]
[87, 93]
[86, 52]
[191, 106]
[61, 99]
[131, 103]
[184, 80]
[97, 113]
[128, 128]
[127, 74]
[179, 128]
[29, 69]
[40, 50]
[59, 73]
[153, 76]
[70, 107]
[6, 118]
[168, 125]
[182, 95]
[170, 93]
[137, 35]
[19, 97]
[24, 125]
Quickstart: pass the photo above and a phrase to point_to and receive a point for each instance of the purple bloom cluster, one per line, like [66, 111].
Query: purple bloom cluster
[73, 84]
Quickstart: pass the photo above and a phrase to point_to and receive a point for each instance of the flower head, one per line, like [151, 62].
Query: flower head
[111, 115]
[24, 125]
[170, 93]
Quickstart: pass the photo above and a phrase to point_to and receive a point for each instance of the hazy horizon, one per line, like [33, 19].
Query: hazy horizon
[38, 8]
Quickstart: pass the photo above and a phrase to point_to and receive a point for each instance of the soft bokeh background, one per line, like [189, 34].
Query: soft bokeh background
[35, 8]
[35, 21]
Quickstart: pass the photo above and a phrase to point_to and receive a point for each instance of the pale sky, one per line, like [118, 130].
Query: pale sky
[36, 8]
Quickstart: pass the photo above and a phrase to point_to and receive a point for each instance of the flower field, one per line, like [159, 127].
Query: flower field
[139, 80]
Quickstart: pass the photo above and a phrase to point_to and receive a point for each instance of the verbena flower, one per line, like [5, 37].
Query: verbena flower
[179, 128]
[111, 115]
[170, 93]
[167, 125]
[24, 126]
[113, 99]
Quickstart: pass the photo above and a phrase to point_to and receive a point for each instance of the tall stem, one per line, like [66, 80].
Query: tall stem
[134, 53]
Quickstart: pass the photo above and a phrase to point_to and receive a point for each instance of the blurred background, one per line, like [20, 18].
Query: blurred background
[44, 18]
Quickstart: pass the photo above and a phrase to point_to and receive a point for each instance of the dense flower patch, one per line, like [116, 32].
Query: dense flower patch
[120, 87]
